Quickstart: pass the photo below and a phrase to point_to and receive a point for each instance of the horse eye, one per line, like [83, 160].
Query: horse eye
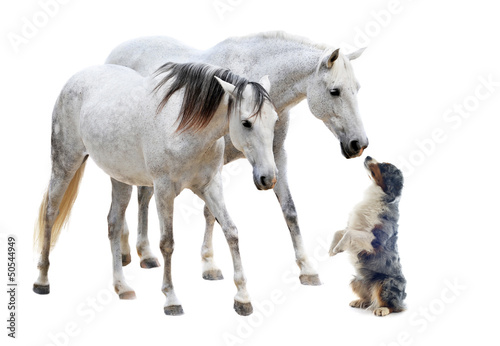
[335, 92]
[246, 123]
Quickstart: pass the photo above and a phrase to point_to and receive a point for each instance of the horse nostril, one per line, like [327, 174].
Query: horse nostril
[263, 180]
[355, 146]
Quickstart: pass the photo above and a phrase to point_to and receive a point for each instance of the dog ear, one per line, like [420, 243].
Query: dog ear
[393, 185]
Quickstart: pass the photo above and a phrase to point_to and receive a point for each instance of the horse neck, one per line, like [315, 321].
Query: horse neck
[290, 78]
[217, 128]
[288, 63]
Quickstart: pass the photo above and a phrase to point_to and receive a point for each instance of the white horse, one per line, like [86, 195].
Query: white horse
[164, 131]
[299, 69]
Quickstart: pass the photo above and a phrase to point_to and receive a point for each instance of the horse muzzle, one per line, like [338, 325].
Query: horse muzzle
[264, 181]
[353, 148]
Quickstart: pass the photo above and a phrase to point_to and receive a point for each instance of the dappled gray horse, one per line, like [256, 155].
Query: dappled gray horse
[164, 131]
[298, 69]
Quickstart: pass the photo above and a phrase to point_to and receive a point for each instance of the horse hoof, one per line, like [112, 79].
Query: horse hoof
[243, 309]
[213, 274]
[173, 310]
[126, 259]
[127, 295]
[149, 263]
[41, 289]
[311, 280]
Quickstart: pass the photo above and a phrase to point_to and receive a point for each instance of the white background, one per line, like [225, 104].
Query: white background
[422, 60]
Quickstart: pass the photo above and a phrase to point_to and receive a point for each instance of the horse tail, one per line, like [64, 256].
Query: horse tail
[64, 211]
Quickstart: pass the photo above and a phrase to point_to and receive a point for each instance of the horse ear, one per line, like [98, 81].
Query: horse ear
[266, 84]
[356, 54]
[332, 58]
[228, 87]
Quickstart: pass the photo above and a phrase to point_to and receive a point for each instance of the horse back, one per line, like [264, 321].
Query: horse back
[146, 54]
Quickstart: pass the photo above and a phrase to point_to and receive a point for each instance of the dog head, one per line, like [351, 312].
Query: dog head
[387, 176]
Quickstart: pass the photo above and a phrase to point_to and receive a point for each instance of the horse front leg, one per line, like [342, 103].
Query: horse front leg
[164, 195]
[308, 275]
[210, 271]
[116, 223]
[214, 199]
[148, 260]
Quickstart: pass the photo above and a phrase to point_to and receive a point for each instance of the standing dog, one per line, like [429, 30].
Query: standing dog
[370, 237]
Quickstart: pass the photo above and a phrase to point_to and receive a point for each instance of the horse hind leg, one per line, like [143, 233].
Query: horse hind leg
[55, 209]
[209, 268]
[116, 222]
[148, 260]
[125, 247]
[68, 154]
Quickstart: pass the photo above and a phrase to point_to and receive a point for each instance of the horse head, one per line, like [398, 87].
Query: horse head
[332, 98]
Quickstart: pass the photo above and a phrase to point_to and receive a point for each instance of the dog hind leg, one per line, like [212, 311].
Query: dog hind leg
[362, 291]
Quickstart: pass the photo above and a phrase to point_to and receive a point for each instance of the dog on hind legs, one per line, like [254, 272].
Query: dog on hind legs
[371, 240]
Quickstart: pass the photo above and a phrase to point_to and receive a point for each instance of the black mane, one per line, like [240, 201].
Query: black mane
[202, 93]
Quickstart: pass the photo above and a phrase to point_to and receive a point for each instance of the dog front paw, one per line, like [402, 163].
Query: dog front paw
[382, 311]
[335, 247]
[335, 251]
